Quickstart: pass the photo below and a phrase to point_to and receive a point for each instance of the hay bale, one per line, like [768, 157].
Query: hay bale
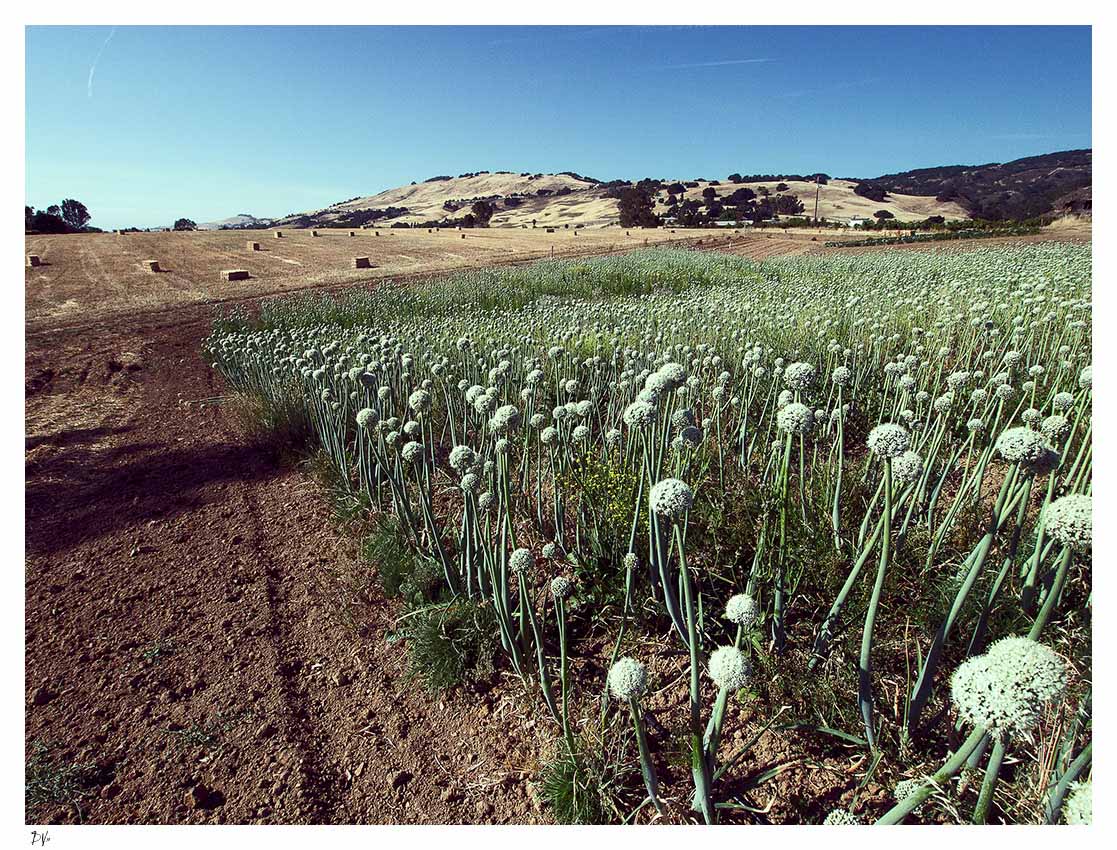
[361, 263]
[550, 230]
[352, 233]
[234, 274]
[33, 261]
[151, 265]
[463, 236]
[315, 233]
[279, 234]
[253, 246]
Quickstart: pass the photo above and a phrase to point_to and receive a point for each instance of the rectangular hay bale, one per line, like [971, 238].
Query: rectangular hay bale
[234, 274]
[253, 246]
[315, 233]
[151, 265]
[33, 261]
[361, 263]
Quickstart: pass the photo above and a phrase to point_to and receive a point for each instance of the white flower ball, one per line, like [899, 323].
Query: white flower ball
[1078, 810]
[1020, 445]
[520, 561]
[729, 668]
[1055, 428]
[671, 498]
[505, 420]
[462, 457]
[840, 817]
[799, 376]
[1070, 520]
[639, 414]
[907, 468]
[1007, 689]
[889, 440]
[742, 610]
[627, 679]
[1062, 401]
[419, 401]
[795, 418]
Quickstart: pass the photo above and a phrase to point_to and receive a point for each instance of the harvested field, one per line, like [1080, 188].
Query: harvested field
[94, 277]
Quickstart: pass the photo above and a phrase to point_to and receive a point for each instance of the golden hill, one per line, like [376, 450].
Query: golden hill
[558, 200]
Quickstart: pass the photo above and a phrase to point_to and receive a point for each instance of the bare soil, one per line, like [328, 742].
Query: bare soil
[183, 636]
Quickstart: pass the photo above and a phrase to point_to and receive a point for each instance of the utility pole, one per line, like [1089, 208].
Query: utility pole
[817, 179]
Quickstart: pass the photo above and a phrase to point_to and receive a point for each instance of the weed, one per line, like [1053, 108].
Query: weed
[52, 781]
[574, 787]
[450, 642]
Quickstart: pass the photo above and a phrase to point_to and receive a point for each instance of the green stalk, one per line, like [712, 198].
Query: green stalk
[646, 766]
[1052, 595]
[902, 809]
[865, 663]
[992, 771]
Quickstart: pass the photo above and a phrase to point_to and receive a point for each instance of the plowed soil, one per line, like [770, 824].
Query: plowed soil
[184, 639]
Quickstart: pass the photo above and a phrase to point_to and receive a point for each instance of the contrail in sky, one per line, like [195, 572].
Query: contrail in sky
[93, 67]
[720, 63]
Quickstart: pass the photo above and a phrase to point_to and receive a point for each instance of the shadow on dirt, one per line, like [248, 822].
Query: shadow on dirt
[83, 492]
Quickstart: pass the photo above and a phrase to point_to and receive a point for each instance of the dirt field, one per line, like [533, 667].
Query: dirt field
[188, 643]
[87, 278]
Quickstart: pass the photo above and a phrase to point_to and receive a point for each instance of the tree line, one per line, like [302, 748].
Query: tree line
[71, 216]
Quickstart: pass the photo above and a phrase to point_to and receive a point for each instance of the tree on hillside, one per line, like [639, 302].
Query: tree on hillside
[741, 196]
[75, 214]
[881, 215]
[482, 212]
[787, 205]
[871, 191]
[55, 211]
[781, 187]
[185, 224]
[635, 208]
[28, 215]
[676, 189]
[734, 178]
[709, 193]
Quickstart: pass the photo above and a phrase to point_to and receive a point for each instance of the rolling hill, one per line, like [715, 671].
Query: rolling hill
[1020, 189]
[1024, 188]
[241, 221]
[560, 200]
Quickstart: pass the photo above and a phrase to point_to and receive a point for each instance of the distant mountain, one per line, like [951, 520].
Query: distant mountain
[1020, 189]
[241, 221]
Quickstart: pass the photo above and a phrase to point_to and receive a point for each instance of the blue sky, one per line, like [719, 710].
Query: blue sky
[147, 124]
